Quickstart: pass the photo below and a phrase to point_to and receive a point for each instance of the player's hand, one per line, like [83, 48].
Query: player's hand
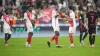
[1, 30]
[68, 17]
[56, 16]
[86, 27]
[98, 23]
[25, 28]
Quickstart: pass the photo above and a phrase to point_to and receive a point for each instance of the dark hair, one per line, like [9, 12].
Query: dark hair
[70, 7]
[91, 8]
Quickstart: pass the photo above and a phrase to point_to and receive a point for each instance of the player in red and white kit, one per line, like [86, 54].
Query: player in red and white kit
[7, 24]
[29, 24]
[72, 22]
[55, 25]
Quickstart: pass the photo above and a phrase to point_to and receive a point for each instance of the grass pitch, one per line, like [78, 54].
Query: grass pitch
[39, 47]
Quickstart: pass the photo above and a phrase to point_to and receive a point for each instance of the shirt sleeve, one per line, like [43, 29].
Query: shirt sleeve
[33, 17]
[11, 17]
[25, 16]
[71, 15]
[53, 13]
[2, 18]
[87, 15]
[97, 15]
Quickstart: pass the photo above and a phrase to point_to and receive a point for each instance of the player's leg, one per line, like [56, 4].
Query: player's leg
[6, 37]
[93, 36]
[71, 36]
[9, 34]
[56, 39]
[53, 38]
[49, 42]
[30, 34]
[71, 39]
[90, 36]
[82, 41]
[81, 34]
[86, 33]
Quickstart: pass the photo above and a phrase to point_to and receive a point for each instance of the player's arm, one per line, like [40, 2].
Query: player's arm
[69, 18]
[86, 25]
[34, 20]
[57, 15]
[2, 23]
[11, 23]
[81, 21]
[25, 17]
[97, 19]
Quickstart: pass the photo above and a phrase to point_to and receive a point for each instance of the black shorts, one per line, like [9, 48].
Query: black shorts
[83, 29]
[92, 30]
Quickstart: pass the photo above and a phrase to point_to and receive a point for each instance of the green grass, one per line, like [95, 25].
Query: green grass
[39, 47]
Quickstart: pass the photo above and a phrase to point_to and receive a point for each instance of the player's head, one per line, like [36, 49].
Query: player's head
[7, 11]
[3, 13]
[30, 9]
[91, 8]
[70, 8]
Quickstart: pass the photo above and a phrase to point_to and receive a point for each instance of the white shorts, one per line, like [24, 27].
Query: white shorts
[29, 29]
[72, 29]
[56, 29]
[7, 30]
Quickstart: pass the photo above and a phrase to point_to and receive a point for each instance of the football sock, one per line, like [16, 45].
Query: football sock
[52, 38]
[9, 36]
[6, 36]
[90, 39]
[85, 36]
[71, 38]
[29, 39]
[81, 37]
[56, 40]
[93, 39]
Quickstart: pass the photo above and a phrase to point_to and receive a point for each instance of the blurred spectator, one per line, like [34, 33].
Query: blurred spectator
[14, 18]
[17, 3]
[62, 5]
[38, 4]
[53, 2]
[98, 11]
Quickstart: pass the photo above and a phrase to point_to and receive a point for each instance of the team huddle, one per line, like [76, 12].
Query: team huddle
[88, 27]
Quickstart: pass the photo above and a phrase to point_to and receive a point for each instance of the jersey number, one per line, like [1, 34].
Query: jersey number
[92, 18]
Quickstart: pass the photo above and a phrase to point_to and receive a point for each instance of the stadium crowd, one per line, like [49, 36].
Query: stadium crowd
[17, 8]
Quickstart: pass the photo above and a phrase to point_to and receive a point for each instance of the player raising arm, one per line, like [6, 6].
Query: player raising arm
[55, 25]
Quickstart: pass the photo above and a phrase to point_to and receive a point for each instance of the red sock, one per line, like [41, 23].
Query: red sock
[29, 39]
[6, 42]
[71, 38]
[52, 38]
[56, 40]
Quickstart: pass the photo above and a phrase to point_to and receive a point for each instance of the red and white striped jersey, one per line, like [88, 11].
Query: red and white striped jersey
[28, 16]
[6, 19]
[72, 20]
